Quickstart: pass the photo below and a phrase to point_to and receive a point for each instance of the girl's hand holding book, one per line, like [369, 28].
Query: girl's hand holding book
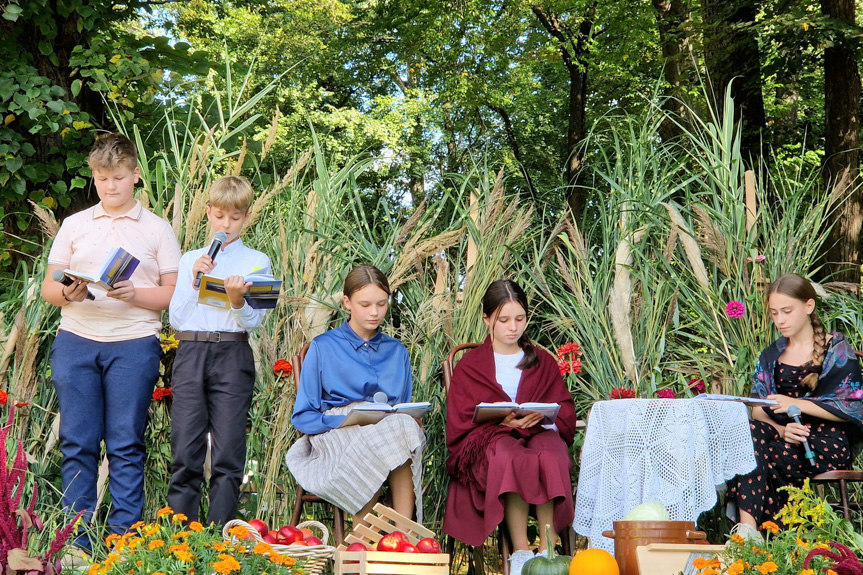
[525, 422]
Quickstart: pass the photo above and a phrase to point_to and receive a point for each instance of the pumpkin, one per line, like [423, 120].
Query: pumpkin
[594, 562]
[551, 565]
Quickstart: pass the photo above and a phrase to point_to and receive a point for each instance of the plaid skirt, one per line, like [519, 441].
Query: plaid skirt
[347, 466]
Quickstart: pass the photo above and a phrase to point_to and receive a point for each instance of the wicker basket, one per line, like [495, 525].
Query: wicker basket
[315, 556]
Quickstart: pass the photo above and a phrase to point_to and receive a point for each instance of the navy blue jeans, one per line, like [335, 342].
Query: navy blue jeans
[104, 391]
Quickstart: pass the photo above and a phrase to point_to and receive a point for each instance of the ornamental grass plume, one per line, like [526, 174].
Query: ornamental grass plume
[16, 521]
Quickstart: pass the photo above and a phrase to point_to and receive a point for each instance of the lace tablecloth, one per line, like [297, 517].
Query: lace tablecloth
[674, 451]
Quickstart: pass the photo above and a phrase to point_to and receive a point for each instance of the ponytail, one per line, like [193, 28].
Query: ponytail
[819, 351]
[530, 358]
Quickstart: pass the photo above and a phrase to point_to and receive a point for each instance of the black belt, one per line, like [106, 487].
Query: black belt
[212, 336]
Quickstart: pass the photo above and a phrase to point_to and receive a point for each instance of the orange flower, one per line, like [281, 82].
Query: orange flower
[831, 572]
[770, 526]
[150, 530]
[219, 546]
[111, 539]
[238, 531]
[226, 564]
[136, 525]
[94, 569]
[262, 548]
[808, 572]
[178, 518]
[735, 568]
[735, 538]
[164, 511]
[276, 558]
[196, 527]
[700, 563]
[155, 544]
[767, 567]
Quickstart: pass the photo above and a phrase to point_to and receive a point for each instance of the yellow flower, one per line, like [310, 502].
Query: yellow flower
[111, 539]
[735, 569]
[184, 556]
[219, 546]
[94, 569]
[159, 573]
[735, 538]
[238, 531]
[803, 544]
[180, 535]
[700, 563]
[133, 543]
[770, 526]
[136, 525]
[155, 544]
[151, 530]
[241, 549]
[164, 511]
[767, 567]
[169, 343]
[196, 527]
[262, 548]
[276, 558]
[226, 564]
[178, 518]
[808, 572]
[822, 546]
[831, 572]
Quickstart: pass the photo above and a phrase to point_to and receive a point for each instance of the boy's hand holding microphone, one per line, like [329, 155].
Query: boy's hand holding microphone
[235, 286]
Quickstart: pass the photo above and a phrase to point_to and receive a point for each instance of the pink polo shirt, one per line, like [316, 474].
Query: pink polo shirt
[83, 243]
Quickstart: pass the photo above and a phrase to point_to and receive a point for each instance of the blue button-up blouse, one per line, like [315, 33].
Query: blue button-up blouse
[341, 368]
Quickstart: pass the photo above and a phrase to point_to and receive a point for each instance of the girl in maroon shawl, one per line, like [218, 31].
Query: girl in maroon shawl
[499, 469]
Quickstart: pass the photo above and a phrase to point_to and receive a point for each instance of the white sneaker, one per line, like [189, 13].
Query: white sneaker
[517, 561]
[747, 531]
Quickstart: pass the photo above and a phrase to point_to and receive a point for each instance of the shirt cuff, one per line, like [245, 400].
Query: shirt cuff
[245, 316]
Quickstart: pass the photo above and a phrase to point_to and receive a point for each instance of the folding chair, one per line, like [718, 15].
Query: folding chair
[303, 496]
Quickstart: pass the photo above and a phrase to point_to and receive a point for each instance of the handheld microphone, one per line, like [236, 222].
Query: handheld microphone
[794, 413]
[379, 397]
[218, 240]
[59, 276]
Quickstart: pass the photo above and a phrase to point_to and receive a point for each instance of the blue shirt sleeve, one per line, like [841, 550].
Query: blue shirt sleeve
[308, 414]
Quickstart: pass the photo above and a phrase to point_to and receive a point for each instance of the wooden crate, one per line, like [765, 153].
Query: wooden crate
[672, 558]
[386, 563]
[382, 521]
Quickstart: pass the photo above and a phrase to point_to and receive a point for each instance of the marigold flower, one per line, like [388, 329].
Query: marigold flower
[666, 393]
[808, 572]
[767, 567]
[110, 560]
[178, 518]
[159, 573]
[110, 539]
[137, 525]
[831, 572]
[196, 527]
[164, 511]
[238, 531]
[622, 393]
[735, 538]
[735, 309]
[700, 563]
[161, 393]
[219, 546]
[4, 397]
[155, 544]
[283, 368]
[94, 569]
[770, 526]
[150, 530]
[262, 548]
[276, 558]
[735, 568]
[226, 564]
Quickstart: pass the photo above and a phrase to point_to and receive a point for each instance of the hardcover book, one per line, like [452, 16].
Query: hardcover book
[491, 411]
[369, 413]
[263, 293]
[118, 266]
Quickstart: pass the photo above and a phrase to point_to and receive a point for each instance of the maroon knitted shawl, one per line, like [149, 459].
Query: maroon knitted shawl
[473, 382]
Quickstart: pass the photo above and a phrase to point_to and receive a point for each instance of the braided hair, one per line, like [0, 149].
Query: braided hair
[799, 288]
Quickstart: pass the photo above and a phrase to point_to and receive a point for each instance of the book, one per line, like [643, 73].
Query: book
[263, 293]
[491, 411]
[746, 400]
[118, 266]
[369, 413]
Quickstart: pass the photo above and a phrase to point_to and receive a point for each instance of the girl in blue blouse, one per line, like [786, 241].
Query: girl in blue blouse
[345, 366]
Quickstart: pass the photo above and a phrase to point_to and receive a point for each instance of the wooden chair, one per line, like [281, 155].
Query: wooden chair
[567, 538]
[842, 477]
[303, 496]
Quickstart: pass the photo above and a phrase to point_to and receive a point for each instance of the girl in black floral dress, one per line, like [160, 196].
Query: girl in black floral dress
[816, 372]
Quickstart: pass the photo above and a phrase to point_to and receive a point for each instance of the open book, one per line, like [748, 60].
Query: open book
[491, 411]
[118, 266]
[263, 293]
[746, 400]
[369, 413]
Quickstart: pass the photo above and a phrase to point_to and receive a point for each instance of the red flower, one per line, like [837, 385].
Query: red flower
[283, 368]
[161, 393]
[666, 393]
[21, 404]
[622, 393]
[572, 367]
[3, 397]
[570, 348]
[697, 385]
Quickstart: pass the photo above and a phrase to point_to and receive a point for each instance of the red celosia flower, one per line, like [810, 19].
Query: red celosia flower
[570, 348]
[666, 393]
[622, 393]
[283, 368]
[572, 367]
[3, 397]
[697, 385]
[161, 393]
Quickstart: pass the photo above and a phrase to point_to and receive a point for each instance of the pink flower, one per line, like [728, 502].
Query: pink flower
[666, 393]
[622, 393]
[697, 385]
[735, 309]
[857, 394]
[758, 259]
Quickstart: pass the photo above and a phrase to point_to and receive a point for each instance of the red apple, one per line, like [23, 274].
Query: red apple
[270, 539]
[357, 547]
[307, 532]
[312, 540]
[259, 526]
[409, 548]
[391, 542]
[273, 534]
[290, 534]
[428, 545]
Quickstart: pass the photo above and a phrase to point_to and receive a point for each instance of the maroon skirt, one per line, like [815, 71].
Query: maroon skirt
[536, 468]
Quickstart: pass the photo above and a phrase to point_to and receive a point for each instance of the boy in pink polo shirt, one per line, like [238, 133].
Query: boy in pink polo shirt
[105, 358]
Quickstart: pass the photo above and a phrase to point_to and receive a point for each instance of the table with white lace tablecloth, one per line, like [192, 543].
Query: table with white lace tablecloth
[673, 451]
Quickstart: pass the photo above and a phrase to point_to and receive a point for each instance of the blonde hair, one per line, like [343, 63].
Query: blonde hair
[799, 288]
[112, 150]
[231, 193]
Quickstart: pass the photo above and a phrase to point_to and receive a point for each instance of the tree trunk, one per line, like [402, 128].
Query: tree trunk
[731, 53]
[671, 15]
[841, 142]
[516, 149]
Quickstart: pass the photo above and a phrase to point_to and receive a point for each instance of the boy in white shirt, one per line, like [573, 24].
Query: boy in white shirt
[214, 370]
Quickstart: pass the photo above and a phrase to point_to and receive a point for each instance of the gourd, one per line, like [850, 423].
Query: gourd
[650, 511]
[551, 565]
[593, 562]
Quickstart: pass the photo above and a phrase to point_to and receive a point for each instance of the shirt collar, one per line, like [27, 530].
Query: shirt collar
[233, 246]
[356, 341]
[133, 213]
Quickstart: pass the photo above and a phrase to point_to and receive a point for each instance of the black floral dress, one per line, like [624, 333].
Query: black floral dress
[779, 463]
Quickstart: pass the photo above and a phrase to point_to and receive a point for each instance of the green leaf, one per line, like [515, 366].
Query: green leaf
[12, 11]
[76, 87]
[56, 106]
[45, 48]
[77, 183]
[14, 164]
